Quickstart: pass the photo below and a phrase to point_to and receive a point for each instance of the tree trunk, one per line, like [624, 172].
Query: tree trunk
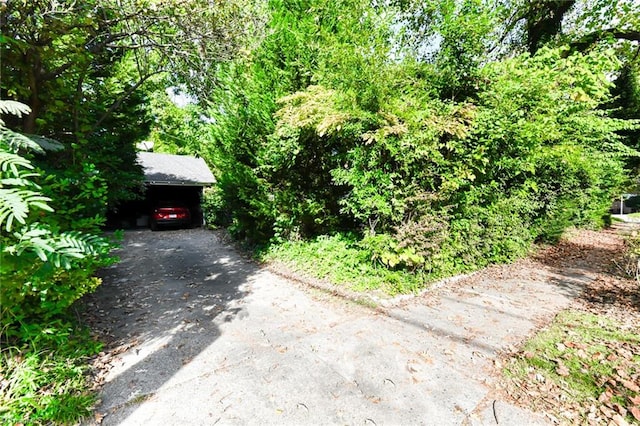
[29, 124]
[544, 21]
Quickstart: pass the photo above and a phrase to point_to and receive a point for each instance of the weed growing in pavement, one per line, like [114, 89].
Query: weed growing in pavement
[583, 368]
[45, 379]
[339, 259]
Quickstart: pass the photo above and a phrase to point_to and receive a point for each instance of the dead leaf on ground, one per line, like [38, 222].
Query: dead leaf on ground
[630, 385]
[622, 373]
[618, 420]
[608, 412]
[582, 354]
[605, 397]
[620, 409]
[562, 370]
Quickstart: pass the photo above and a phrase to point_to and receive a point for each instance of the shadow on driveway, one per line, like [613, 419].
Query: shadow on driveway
[287, 356]
[161, 306]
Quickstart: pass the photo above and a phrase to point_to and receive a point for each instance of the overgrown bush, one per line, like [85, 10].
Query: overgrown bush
[46, 264]
[630, 262]
[45, 267]
[515, 152]
[514, 169]
[78, 197]
[213, 208]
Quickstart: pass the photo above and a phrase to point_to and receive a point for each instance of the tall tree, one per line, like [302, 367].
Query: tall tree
[51, 49]
[84, 68]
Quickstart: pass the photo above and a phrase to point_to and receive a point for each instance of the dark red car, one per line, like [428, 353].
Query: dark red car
[170, 213]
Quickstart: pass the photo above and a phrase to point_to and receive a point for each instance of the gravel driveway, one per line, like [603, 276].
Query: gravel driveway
[202, 336]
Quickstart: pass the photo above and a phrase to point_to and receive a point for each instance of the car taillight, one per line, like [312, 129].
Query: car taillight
[171, 213]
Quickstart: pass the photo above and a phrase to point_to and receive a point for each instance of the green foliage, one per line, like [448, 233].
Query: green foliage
[464, 28]
[416, 241]
[177, 129]
[306, 42]
[550, 140]
[240, 113]
[79, 198]
[341, 260]
[46, 380]
[436, 157]
[630, 263]
[18, 194]
[45, 265]
[213, 207]
[44, 272]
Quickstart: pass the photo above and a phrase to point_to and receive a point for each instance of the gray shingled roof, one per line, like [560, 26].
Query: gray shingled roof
[168, 169]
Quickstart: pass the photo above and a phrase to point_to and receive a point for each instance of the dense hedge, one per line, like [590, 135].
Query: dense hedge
[432, 177]
[451, 185]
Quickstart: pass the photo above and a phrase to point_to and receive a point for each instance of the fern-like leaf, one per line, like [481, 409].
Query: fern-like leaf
[14, 108]
[19, 181]
[12, 163]
[34, 238]
[60, 250]
[17, 141]
[47, 144]
[18, 193]
[15, 204]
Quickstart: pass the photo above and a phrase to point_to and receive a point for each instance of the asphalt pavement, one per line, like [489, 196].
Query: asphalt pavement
[203, 336]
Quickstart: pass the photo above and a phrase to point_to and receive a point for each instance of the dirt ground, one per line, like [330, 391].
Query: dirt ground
[198, 334]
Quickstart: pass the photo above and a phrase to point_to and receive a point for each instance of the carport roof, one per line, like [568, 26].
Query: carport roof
[168, 169]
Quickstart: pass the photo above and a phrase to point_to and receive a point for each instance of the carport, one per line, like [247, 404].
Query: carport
[169, 177]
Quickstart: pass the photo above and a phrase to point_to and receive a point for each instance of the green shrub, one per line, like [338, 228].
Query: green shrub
[213, 207]
[44, 268]
[341, 260]
[78, 197]
[630, 263]
[46, 264]
[518, 152]
[575, 185]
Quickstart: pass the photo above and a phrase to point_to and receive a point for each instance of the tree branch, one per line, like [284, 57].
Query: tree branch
[590, 39]
[55, 73]
[122, 98]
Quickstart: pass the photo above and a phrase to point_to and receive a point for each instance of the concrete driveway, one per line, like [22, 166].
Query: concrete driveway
[202, 336]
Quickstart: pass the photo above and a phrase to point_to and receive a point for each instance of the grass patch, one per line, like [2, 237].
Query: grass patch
[339, 260]
[45, 380]
[583, 368]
